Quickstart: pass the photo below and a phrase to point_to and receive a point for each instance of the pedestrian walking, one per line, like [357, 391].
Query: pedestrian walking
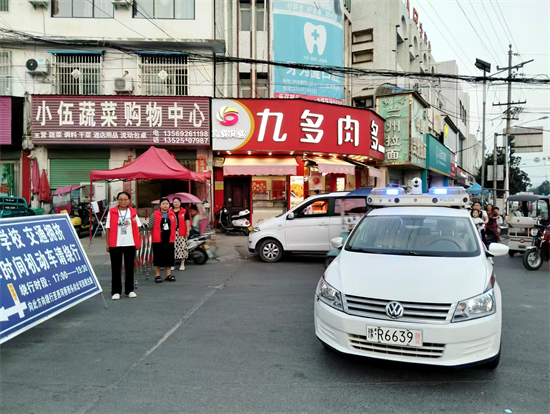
[164, 237]
[183, 227]
[492, 223]
[122, 235]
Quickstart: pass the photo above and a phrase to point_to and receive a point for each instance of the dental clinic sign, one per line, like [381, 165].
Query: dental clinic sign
[122, 120]
[295, 125]
[308, 32]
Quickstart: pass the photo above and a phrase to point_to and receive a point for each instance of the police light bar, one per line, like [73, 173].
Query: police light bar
[391, 191]
[422, 200]
[448, 191]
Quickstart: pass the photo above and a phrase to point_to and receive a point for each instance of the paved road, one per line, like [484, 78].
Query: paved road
[238, 337]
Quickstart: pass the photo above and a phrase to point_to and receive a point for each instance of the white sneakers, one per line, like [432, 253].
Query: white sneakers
[116, 296]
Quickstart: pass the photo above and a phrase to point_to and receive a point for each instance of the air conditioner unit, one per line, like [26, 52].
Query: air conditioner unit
[39, 3]
[38, 66]
[127, 3]
[124, 84]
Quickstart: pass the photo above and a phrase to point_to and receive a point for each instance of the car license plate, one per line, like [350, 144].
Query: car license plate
[403, 337]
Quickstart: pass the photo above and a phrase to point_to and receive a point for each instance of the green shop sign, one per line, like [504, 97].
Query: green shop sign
[404, 140]
[439, 156]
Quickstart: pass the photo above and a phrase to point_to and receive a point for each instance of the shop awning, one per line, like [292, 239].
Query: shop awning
[260, 166]
[333, 165]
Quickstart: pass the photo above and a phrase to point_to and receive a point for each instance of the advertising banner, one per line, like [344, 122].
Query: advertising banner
[43, 271]
[295, 125]
[296, 190]
[121, 120]
[439, 156]
[454, 165]
[308, 32]
[7, 178]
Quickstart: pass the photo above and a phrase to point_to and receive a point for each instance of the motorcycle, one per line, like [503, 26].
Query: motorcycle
[199, 249]
[239, 223]
[539, 251]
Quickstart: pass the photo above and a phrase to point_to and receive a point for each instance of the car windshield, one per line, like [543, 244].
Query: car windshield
[415, 236]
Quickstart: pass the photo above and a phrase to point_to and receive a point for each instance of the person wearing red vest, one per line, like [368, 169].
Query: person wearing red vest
[183, 225]
[122, 235]
[164, 237]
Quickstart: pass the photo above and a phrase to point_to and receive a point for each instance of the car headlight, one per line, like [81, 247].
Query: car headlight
[255, 229]
[329, 295]
[476, 307]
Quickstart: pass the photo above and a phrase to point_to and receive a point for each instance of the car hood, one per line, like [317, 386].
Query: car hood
[409, 278]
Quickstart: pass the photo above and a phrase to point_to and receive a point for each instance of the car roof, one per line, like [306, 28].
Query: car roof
[420, 211]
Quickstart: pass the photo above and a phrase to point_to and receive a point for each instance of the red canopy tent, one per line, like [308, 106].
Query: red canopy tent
[154, 164]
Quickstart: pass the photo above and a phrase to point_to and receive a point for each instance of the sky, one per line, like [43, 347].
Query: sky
[496, 23]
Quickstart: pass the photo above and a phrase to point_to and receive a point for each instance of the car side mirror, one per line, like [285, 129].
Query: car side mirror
[290, 216]
[337, 242]
[498, 249]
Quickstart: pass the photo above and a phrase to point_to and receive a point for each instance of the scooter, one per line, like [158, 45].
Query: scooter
[539, 251]
[239, 223]
[199, 249]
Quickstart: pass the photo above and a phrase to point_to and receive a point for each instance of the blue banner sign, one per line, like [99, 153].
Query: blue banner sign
[43, 271]
[308, 32]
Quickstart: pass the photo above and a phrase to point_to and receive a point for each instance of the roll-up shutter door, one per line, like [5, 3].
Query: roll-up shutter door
[74, 171]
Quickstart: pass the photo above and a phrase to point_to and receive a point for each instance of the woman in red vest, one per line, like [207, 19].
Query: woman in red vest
[164, 236]
[122, 235]
[183, 225]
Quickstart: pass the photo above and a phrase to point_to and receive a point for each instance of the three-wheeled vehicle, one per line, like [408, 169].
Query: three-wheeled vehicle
[539, 251]
[524, 212]
[351, 212]
[75, 201]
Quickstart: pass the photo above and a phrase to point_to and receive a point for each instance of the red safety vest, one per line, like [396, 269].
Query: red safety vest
[156, 228]
[182, 231]
[113, 223]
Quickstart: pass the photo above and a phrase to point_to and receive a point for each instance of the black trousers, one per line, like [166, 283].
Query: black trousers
[129, 254]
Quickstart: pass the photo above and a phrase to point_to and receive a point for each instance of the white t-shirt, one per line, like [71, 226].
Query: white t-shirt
[122, 239]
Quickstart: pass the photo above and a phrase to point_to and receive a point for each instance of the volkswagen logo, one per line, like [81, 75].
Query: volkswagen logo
[394, 310]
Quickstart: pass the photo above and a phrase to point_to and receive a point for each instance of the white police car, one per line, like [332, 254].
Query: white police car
[413, 283]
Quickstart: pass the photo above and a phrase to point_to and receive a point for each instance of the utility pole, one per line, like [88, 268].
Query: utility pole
[485, 67]
[508, 121]
[495, 170]
[509, 117]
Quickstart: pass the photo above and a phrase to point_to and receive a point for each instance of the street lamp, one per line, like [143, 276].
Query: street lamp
[485, 67]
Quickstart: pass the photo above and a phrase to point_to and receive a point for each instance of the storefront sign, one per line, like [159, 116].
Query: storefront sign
[308, 33]
[439, 156]
[454, 166]
[295, 125]
[296, 190]
[120, 120]
[43, 271]
[405, 141]
[5, 120]
[461, 176]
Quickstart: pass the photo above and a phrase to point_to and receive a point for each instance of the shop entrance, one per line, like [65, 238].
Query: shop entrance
[238, 190]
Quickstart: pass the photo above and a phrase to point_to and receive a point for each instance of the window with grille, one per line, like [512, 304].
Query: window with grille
[4, 5]
[164, 75]
[164, 9]
[5, 72]
[76, 74]
[262, 89]
[245, 90]
[100, 9]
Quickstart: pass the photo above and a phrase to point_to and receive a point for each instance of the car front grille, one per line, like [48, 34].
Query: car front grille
[428, 350]
[433, 313]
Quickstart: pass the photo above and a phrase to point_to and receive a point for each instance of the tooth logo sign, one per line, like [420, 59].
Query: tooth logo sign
[227, 116]
[315, 35]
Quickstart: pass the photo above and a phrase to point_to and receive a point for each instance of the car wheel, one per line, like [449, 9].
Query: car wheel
[511, 253]
[270, 251]
[494, 363]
